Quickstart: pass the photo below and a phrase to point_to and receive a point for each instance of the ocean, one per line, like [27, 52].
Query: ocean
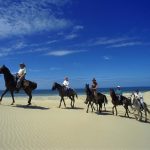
[49, 92]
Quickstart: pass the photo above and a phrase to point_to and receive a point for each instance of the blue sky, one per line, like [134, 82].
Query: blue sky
[81, 39]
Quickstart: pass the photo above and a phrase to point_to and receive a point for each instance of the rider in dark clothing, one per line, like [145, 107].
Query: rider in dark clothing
[94, 88]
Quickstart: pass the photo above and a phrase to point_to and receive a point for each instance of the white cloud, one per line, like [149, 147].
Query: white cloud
[27, 17]
[34, 70]
[78, 27]
[71, 36]
[64, 52]
[115, 42]
[106, 57]
[108, 41]
[55, 68]
[126, 44]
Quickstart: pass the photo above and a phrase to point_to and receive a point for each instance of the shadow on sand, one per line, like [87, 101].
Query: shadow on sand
[126, 117]
[104, 113]
[75, 108]
[31, 107]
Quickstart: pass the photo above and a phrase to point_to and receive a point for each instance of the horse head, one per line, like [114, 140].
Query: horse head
[86, 86]
[54, 86]
[4, 69]
[112, 92]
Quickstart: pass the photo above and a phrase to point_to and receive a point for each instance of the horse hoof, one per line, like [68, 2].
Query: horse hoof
[29, 104]
[12, 103]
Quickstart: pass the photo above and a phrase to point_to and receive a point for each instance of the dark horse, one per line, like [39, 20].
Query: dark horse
[62, 93]
[91, 99]
[115, 101]
[10, 83]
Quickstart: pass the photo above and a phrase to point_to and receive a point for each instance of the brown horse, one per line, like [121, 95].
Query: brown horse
[10, 83]
[115, 101]
[98, 100]
[62, 93]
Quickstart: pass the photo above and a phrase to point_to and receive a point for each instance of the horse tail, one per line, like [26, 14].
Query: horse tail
[75, 94]
[105, 99]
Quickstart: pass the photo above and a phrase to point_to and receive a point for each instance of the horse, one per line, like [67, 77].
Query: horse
[115, 101]
[89, 98]
[10, 83]
[137, 107]
[98, 100]
[70, 93]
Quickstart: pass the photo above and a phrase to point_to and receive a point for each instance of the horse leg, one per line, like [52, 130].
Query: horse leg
[73, 100]
[116, 111]
[104, 106]
[139, 115]
[145, 114]
[89, 103]
[60, 102]
[28, 92]
[64, 102]
[100, 108]
[92, 106]
[12, 95]
[87, 108]
[3, 95]
[126, 111]
[136, 116]
[97, 107]
[113, 110]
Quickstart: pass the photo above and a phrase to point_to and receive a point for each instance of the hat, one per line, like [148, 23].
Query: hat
[22, 64]
[94, 79]
[118, 86]
[66, 78]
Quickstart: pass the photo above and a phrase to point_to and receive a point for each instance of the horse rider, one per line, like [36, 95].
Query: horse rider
[138, 95]
[66, 83]
[20, 76]
[94, 87]
[118, 93]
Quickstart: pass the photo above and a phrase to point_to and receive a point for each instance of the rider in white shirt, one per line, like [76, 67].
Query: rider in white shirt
[21, 75]
[66, 83]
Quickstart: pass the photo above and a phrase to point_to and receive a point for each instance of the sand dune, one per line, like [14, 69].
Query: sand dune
[44, 126]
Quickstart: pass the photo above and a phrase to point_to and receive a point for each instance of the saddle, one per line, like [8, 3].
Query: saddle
[67, 90]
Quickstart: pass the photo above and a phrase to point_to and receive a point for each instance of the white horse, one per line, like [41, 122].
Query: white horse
[139, 108]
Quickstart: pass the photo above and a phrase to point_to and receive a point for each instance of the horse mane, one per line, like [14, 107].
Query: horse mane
[58, 84]
[88, 90]
[113, 92]
[6, 69]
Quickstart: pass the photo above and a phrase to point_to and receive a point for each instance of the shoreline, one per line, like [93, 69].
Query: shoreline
[23, 94]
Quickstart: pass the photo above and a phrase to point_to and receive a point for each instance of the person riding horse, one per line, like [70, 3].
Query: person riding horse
[119, 93]
[138, 95]
[94, 87]
[66, 84]
[20, 76]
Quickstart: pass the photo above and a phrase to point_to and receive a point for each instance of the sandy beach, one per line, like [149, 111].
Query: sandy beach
[44, 126]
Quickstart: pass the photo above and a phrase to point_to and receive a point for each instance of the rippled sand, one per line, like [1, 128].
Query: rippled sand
[44, 126]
